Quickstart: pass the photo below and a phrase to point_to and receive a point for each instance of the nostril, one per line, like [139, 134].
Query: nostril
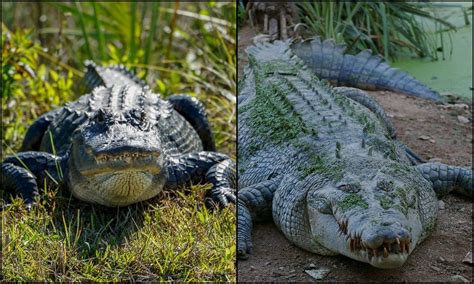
[387, 223]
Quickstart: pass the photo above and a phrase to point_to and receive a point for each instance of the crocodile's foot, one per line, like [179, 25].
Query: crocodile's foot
[244, 248]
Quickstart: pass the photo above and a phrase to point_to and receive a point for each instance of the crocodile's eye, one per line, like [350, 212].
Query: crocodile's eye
[385, 185]
[322, 205]
[351, 188]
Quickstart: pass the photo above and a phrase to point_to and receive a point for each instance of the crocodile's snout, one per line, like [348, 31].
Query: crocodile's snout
[384, 239]
[385, 245]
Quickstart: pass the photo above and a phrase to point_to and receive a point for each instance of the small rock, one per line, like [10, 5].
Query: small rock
[459, 278]
[441, 259]
[432, 140]
[424, 137]
[437, 269]
[277, 273]
[441, 205]
[310, 266]
[319, 273]
[442, 116]
[435, 160]
[281, 268]
[268, 263]
[468, 258]
[291, 276]
[462, 209]
[252, 267]
[463, 119]
[461, 106]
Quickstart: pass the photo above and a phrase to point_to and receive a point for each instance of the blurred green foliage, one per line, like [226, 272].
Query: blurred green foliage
[176, 47]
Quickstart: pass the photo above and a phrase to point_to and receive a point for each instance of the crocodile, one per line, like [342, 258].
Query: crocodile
[120, 144]
[323, 163]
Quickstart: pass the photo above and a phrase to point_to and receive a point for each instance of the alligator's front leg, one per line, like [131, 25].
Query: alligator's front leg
[200, 167]
[254, 204]
[22, 173]
[193, 111]
[445, 178]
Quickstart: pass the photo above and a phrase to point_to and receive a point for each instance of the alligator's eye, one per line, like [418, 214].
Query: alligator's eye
[385, 185]
[322, 205]
[351, 188]
[100, 117]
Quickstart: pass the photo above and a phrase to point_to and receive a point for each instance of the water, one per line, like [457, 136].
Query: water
[454, 74]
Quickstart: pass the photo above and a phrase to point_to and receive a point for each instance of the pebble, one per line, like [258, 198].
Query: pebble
[318, 274]
[441, 205]
[424, 137]
[468, 258]
[437, 269]
[268, 263]
[252, 268]
[310, 266]
[442, 259]
[463, 119]
[459, 278]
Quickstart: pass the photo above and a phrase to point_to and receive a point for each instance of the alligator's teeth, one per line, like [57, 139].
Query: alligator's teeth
[385, 252]
[374, 251]
[398, 241]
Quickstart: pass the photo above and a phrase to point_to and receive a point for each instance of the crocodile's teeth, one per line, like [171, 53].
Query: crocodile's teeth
[385, 252]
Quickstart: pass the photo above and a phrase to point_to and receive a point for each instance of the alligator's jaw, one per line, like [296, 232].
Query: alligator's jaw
[117, 182]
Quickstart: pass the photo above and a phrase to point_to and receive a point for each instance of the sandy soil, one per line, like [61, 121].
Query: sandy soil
[439, 258]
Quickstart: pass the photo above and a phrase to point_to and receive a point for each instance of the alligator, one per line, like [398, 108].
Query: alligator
[120, 144]
[323, 163]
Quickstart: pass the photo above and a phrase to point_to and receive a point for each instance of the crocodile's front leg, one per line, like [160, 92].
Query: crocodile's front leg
[254, 204]
[445, 178]
[200, 167]
[22, 173]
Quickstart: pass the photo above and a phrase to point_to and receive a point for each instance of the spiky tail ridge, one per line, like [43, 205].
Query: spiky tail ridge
[106, 76]
[364, 70]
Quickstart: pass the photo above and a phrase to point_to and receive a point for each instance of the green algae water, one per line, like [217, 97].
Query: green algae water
[454, 73]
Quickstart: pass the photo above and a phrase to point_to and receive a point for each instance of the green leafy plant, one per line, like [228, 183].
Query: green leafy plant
[388, 28]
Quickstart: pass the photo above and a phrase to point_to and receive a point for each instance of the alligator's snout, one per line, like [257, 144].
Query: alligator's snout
[126, 153]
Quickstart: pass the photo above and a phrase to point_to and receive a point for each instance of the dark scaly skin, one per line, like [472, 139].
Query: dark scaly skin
[324, 164]
[364, 70]
[118, 145]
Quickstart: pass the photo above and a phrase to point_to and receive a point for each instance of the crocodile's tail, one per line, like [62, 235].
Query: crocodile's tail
[364, 70]
[107, 76]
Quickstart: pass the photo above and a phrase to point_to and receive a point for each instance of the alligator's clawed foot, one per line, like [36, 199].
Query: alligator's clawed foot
[219, 197]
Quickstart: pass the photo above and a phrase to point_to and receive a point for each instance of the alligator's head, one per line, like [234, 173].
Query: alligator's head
[378, 220]
[116, 159]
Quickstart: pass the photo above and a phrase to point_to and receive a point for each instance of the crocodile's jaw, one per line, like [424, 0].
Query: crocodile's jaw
[326, 231]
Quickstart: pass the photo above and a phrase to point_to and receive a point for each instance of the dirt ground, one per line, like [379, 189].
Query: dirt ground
[439, 258]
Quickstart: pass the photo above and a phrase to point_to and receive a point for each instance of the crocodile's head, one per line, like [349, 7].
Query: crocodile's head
[116, 159]
[377, 220]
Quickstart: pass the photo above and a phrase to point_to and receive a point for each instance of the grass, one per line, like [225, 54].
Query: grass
[171, 237]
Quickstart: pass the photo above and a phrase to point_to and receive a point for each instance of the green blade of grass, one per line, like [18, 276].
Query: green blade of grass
[100, 35]
[154, 22]
[133, 18]
[83, 28]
